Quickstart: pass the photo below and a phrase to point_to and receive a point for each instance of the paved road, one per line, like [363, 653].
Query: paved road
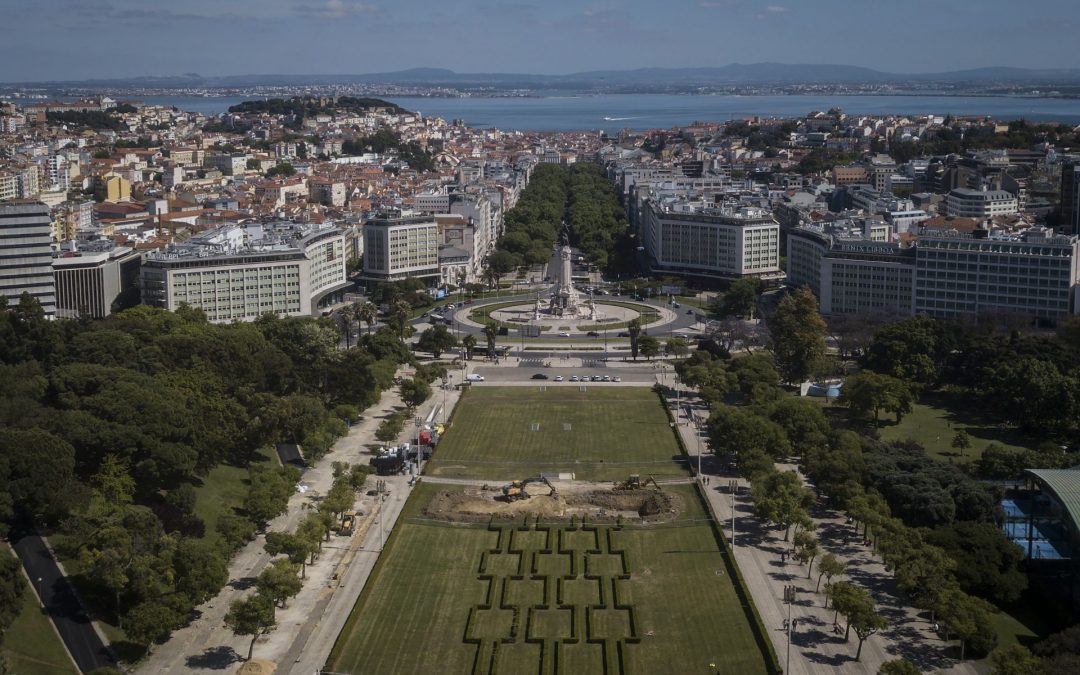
[62, 604]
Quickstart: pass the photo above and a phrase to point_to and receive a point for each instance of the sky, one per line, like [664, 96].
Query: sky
[81, 39]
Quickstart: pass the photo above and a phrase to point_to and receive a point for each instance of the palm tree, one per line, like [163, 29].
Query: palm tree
[491, 330]
[401, 312]
[491, 277]
[468, 342]
[634, 328]
[366, 312]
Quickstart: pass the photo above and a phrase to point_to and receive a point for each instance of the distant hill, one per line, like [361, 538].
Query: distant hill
[735, 73]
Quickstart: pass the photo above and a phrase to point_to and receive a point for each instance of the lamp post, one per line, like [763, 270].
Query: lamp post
[41, 598]
[382, 505]
[733, 487]
[789, 597]
[418, 421]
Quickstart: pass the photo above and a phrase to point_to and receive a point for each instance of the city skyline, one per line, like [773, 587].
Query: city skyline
[122, 38]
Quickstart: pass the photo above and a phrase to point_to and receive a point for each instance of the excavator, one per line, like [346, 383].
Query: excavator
[634, 482]
[515, 490]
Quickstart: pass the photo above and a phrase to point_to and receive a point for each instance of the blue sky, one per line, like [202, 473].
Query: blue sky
[77, 39]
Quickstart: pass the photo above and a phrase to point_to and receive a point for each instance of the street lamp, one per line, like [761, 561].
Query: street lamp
[419, 422]
[41, 598]
[789, 597]
[733, 487]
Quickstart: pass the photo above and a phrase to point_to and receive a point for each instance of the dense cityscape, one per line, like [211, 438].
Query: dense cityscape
[323, 383]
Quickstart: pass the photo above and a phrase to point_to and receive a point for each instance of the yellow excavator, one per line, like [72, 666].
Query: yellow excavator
[634, 482]
[515, 490]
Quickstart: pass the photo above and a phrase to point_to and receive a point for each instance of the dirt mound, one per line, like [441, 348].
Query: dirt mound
[604, 505]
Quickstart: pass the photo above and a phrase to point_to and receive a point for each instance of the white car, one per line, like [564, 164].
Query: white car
[573, 378]
[616, 379]
[564, 334]
[558, 378]
[450, 306]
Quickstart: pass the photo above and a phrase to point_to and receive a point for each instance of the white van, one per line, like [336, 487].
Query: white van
[474, 378]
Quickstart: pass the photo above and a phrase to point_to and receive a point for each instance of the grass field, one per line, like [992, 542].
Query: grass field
[222, 490]
[934, 422]
[598, 434]
[31, 646]
[654, 599]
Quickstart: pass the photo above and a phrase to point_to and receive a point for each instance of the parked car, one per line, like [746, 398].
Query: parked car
[450, 306]
[596, 378]
[616, 379]
[607, 378]
[468, 302]
[539, 376]
[573, 378]
[564, 334]
[593, 333]
[624, 334]
[558, 378]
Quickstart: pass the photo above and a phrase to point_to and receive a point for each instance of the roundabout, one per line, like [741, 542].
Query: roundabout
[606, 315]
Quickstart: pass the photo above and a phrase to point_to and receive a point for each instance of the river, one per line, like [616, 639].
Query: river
[611, 112]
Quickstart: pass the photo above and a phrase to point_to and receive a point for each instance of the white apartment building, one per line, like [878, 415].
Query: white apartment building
[705, 240]
[397, 248]
[432, 202]
[288, 274]
[867, 277]
[230, 165]
[980, 204]
[26, 254]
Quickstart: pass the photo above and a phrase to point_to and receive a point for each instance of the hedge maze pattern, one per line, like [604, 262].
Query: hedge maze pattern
[558, 586]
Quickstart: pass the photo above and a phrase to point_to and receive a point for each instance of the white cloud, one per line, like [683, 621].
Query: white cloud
[775, 9]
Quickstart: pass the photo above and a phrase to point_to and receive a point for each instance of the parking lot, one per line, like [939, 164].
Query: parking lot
[632, 375]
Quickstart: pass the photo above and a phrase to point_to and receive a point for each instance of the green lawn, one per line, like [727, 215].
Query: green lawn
[933, 424]
[31, 646]
[598, 434]
[222, 490]
[427, 609]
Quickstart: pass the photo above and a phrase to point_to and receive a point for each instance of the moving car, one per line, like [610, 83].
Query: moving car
[473, 377]
[593, 333]
[539, 376]
[616, 379]
[564, 334]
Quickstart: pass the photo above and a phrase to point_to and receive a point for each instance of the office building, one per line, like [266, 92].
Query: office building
[237, 274]
[398, 248]
[94, 279]
[980, 204]
[26, 254]
[1070, 197]
[703, 239]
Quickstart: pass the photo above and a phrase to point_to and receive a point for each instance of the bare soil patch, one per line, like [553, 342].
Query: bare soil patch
[479, 505]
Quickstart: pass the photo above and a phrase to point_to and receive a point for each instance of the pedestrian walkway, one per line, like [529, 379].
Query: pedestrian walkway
[307, 627]
[815, 648]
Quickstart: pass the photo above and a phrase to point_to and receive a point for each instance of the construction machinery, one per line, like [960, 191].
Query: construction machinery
[348, 520]
[634, 482]
[515, 490]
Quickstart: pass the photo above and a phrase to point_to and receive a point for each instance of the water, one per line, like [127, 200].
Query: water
[611, 112]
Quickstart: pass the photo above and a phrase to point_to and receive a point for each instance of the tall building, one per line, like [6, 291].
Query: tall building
[288, 270]
[980, 204]
[1034, 273]
[397, 248]
[698, 239]
[26, 254]
[90, 281]
[1070, 197]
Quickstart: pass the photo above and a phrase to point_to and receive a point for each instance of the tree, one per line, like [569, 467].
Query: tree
[268, 495]
[414, 392]
[252, 616]
[366, 312]
[780, 497]
[869, 392]
[899, 667]
[987, 561]
[147, 622]
[969, 618]
[866, 621]
[12, 587]
[807, 549]
[676, 347]
[436, 340]
[279, 581]
[469, 343]
[741, 298]
[798, 335]
[200, 568]
[283, 169]
[829, 567]
[743, 433]
[961, 441]
[502, 262]
[649, 346]
[634, 329]
[1016, 659]
[491, 331]
[293, 545]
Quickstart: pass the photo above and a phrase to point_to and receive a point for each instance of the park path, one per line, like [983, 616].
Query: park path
[307, 627]
[815, 648]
